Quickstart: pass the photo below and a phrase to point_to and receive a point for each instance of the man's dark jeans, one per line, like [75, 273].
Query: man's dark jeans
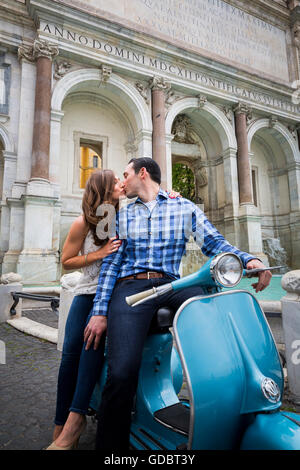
[127, 331]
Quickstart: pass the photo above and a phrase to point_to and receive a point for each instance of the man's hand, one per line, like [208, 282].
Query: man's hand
[264, 277]
[94, 330]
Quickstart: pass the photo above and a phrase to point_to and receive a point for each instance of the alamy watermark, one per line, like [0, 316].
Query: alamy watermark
[186, 221]
[295, 357]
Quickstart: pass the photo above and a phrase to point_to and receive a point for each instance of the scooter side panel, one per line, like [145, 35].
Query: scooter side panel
[275, 431]
[226, 347]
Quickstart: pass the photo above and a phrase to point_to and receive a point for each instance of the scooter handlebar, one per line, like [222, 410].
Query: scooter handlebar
[132, 299]
[141, 297]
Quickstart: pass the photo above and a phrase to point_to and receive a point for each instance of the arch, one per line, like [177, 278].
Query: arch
[211, 113]
[6, 139]
[133, 98]
[280, 133]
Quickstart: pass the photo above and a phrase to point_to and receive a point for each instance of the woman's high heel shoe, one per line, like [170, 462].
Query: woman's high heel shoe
[72, 446]
[54, 446]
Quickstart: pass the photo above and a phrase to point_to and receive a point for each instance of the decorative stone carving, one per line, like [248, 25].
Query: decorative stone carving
[201, 100]
[70, 280]
[183, 131]
[105, 73]
[26, 52]
[10, 278]
[44, 49]
[272, 121]
[296, 34]
[159, 83]
[200, 173]
[171, 97]
[293, 131]
[40, 48]
[228, 113]
[61, 68]
[130, 148]
[243, 108]
[143, 90]
[293, 4]
[291, 282]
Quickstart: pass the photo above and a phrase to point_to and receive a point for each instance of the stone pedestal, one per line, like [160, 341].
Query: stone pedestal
[68, 282]
[250, 236]
[291, 328]
[38, 261]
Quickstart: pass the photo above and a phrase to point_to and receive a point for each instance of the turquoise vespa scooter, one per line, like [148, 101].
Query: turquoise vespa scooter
[225, 350]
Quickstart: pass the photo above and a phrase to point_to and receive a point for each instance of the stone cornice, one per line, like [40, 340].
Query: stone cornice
[15, 12]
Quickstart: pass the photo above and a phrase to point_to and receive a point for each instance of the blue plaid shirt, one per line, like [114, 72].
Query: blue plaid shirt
[156, 241]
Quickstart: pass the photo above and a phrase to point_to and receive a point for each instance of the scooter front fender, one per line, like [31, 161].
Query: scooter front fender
[273, 431]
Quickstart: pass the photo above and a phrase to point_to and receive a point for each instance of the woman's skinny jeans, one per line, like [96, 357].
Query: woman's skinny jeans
[79, 369]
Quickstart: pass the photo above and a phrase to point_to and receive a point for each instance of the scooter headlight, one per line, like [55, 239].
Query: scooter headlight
[226, 269]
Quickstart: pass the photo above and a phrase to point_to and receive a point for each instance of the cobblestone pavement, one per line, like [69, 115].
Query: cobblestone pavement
[28, 389]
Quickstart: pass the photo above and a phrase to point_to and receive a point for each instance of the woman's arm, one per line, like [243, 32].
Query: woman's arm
[73, 244]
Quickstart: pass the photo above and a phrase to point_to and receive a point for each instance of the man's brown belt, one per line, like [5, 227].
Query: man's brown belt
[148, 275]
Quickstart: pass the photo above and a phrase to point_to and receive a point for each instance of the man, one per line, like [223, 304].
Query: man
[155, 230]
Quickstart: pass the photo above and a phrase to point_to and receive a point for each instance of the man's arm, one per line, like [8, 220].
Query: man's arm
[107, 278]
[211, 242]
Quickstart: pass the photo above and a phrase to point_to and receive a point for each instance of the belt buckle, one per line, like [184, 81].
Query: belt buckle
[148, 274]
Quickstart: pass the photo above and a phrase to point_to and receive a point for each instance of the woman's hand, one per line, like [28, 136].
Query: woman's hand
[173, 194]
[110, 247]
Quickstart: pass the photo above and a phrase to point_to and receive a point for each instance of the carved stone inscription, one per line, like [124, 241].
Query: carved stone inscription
[172, 68]
[213, 27]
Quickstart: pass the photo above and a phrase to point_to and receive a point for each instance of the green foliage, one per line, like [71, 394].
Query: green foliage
[183, 181]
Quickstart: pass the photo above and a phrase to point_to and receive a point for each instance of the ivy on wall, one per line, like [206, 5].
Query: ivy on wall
[183, 181]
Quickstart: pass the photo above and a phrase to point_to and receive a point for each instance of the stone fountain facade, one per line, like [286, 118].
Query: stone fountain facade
[210, 84]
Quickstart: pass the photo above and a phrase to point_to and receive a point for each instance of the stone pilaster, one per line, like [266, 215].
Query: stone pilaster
[158, 88]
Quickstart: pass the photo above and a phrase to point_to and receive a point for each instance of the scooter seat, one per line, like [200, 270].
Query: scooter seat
[162, 320]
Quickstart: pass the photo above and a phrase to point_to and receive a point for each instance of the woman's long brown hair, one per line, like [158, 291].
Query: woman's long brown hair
[98, 190]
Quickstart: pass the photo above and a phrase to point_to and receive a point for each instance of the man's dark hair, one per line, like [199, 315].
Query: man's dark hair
[151, 166]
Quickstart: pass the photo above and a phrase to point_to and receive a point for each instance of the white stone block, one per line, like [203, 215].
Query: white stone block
[68, 282]
[6, 301]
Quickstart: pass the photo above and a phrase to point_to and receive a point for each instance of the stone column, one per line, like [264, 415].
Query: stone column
[41, 128]
[243, 164]
[250, 235]
[158, 87]
[38, 260]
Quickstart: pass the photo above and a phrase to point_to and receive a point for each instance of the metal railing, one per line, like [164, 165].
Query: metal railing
[54, 301]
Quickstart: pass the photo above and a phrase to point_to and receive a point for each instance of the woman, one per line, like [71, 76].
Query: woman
[80, 368]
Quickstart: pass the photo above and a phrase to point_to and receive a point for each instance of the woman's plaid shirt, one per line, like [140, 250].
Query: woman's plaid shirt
[156, 242]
